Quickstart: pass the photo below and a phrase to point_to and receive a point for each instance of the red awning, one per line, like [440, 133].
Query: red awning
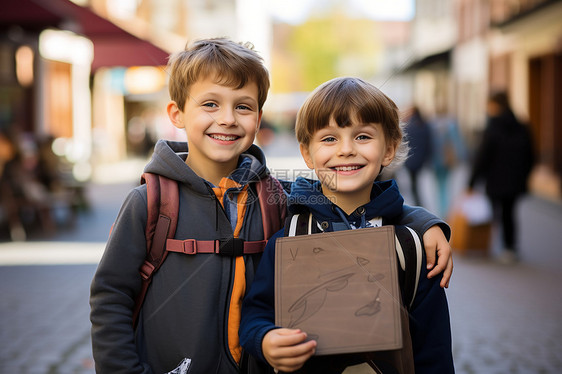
[113, 46]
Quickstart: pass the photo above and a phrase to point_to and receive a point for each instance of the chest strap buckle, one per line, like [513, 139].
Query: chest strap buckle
[229, 247]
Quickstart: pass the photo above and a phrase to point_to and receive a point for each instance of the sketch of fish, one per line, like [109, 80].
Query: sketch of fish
[371, 308]
[312, 301]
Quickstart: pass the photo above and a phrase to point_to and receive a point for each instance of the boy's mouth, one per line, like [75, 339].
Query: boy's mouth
[346, 168]
[224, 137]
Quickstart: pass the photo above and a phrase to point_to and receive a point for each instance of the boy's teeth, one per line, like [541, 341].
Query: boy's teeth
[347, 168]
[224, 137]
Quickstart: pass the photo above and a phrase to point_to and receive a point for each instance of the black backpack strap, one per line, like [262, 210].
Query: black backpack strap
[301, 224]
[162, 218]
[409, 251]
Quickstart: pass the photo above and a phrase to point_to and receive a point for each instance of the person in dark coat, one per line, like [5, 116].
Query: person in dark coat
[503, 162]
[418, 136]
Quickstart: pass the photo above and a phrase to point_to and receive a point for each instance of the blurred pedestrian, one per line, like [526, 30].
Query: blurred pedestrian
[10, 178]
[504, 161]
[448, 151]
[418, 136]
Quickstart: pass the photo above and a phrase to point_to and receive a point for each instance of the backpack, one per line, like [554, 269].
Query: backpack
[409, 252]
[163, 206]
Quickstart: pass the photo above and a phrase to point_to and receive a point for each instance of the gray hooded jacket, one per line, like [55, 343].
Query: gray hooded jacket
[185, 312]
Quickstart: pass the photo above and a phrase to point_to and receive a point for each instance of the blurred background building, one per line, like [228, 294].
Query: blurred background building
[465, 49]
[90, 74]
[83, 90]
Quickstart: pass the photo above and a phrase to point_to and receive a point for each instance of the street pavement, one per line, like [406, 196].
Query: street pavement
[505, 319]
[44, 290]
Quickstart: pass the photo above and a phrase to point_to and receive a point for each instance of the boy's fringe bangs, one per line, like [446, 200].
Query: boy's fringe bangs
[370, 105]
[230, 67]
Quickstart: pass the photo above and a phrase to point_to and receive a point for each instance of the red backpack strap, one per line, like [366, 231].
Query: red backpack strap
[273, 204]
[162, 217]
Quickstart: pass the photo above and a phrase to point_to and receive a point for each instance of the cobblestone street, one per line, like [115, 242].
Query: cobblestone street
[44, 326]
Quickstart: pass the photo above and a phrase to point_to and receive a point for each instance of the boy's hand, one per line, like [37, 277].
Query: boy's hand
[286, 349]
[435, 242]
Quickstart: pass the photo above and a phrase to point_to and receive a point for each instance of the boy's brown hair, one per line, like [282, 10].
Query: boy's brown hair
[232, 64]
[345, 99]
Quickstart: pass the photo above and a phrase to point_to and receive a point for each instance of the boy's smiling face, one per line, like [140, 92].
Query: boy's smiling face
[221, 122]
[348, 159]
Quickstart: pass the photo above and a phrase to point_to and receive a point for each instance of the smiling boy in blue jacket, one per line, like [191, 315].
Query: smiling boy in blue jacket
[348, 131]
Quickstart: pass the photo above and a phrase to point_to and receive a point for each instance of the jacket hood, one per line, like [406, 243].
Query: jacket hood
[306, 195]
[169, 158]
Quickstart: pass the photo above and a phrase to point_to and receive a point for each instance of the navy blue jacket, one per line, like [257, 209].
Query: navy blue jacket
[429, 314]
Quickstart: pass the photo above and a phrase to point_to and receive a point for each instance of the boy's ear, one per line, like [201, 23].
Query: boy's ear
[389, 154]
[174, 113]
[306, 156]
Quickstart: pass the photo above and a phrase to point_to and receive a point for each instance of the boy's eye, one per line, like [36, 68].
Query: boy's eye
[210, 105]
[329, 139]
[363, 137]
[243, 107]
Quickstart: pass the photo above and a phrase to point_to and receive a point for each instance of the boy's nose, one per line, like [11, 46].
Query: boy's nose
[227, 118]
[346, 148]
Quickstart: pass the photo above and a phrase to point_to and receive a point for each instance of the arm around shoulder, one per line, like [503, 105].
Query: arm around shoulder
[420, 219]
[436, 234]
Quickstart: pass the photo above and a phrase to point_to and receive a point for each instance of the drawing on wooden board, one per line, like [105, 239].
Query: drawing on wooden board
[341, 288]
[371, 308]
[312, 301]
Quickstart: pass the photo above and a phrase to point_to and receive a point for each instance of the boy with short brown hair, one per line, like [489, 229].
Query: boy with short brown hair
[348, 131]
[190, 315]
